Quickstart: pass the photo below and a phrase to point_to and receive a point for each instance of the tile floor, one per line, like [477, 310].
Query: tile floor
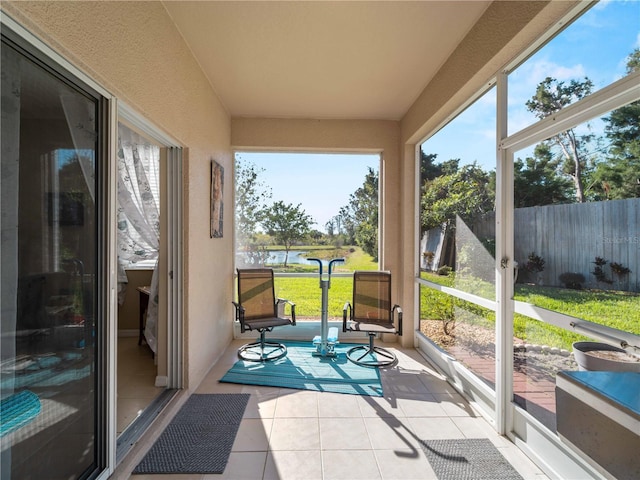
[136, 380]
[293, 434]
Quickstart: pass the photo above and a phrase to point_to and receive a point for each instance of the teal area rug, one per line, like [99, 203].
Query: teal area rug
[299, 369]
[17, 410]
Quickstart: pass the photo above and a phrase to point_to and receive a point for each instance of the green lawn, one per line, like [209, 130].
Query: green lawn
[620, 310]
[306, 292]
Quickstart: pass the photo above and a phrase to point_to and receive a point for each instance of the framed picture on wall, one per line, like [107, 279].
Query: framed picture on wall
[217, 210]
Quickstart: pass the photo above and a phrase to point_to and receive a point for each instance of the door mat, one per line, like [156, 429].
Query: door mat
[299, 369]
[468, 459]
[199, 438]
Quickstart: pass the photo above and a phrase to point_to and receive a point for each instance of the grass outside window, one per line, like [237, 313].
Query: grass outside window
[619, 310]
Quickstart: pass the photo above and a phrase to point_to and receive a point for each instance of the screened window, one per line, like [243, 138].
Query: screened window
[576, 198]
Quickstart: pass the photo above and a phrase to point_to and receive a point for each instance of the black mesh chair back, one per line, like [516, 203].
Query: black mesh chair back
[257, 309]
[372, 298]
[256, 293]
[371, 311]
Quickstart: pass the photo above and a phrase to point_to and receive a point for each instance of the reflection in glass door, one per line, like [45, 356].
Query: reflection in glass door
[50, 379]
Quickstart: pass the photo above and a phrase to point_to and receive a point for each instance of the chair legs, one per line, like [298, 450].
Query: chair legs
[262, 351]
[369, 351]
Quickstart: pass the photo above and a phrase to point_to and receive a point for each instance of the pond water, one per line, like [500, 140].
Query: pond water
[295, 257]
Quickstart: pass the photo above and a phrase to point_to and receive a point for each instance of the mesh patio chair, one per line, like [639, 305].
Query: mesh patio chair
[371, 312]
[257, 309]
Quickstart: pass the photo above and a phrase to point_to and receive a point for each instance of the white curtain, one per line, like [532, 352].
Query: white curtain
[80, 116]
[138, 216]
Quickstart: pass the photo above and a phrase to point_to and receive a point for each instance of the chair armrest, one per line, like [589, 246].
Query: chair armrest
[347, 306]
[239, 315]
[398, 310]
[293, 308]
[239, 308]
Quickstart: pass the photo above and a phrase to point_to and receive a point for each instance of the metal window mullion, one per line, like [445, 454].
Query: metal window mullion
[503, 266]
[415, 268]
[461, 294]
[616, 95]
[111, 262]
[174, 268]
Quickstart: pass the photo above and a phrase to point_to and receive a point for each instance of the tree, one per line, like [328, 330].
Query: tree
[429, 169]
[619, 176]
[348, 225]
[360, 216]
[338, 223]
[537, 182]
[633, 61]
[466, 193]
[551, 96]
[317, 237]
[287, 224]
[330, 226]
[251, 196]
[334, 225]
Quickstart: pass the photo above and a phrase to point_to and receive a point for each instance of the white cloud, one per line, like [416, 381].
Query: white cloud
[542, 69]
[519, 119]
[523, 82]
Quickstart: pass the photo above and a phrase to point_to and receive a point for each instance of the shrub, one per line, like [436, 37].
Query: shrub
[572, 280]
[428, 258]
[490, 245]
[598, 271]
[445, 270]
[599, 261]
[619, 269]
[535, 263]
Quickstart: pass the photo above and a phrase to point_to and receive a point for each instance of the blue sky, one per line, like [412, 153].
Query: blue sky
[320, 182]
[596, 46]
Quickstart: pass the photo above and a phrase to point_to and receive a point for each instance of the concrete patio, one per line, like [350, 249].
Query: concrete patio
[291, 434]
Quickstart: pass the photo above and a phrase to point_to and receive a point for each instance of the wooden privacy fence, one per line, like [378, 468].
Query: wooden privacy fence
[570, 237]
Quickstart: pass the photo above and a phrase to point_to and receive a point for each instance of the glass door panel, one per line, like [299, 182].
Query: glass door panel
[49, 378]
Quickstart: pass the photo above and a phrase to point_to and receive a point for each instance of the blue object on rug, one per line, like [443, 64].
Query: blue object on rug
[301, 370]
[17, 410]
[199, 438]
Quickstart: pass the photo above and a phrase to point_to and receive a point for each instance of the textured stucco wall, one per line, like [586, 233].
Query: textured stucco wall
[134, 51]
[503, 32]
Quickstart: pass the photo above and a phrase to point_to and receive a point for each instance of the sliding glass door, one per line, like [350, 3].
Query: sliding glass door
[52, 351]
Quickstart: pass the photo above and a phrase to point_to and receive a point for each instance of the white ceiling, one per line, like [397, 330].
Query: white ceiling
[322, 59]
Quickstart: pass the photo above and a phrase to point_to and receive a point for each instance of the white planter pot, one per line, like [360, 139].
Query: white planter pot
[595, 363]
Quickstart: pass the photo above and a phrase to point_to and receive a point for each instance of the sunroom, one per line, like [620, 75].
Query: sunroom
[508, 215]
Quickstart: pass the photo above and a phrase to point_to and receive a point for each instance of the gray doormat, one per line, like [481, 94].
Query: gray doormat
[199, 438]
[467, 459]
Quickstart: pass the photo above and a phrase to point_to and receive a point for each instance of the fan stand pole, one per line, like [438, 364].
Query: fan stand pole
[326, 341]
